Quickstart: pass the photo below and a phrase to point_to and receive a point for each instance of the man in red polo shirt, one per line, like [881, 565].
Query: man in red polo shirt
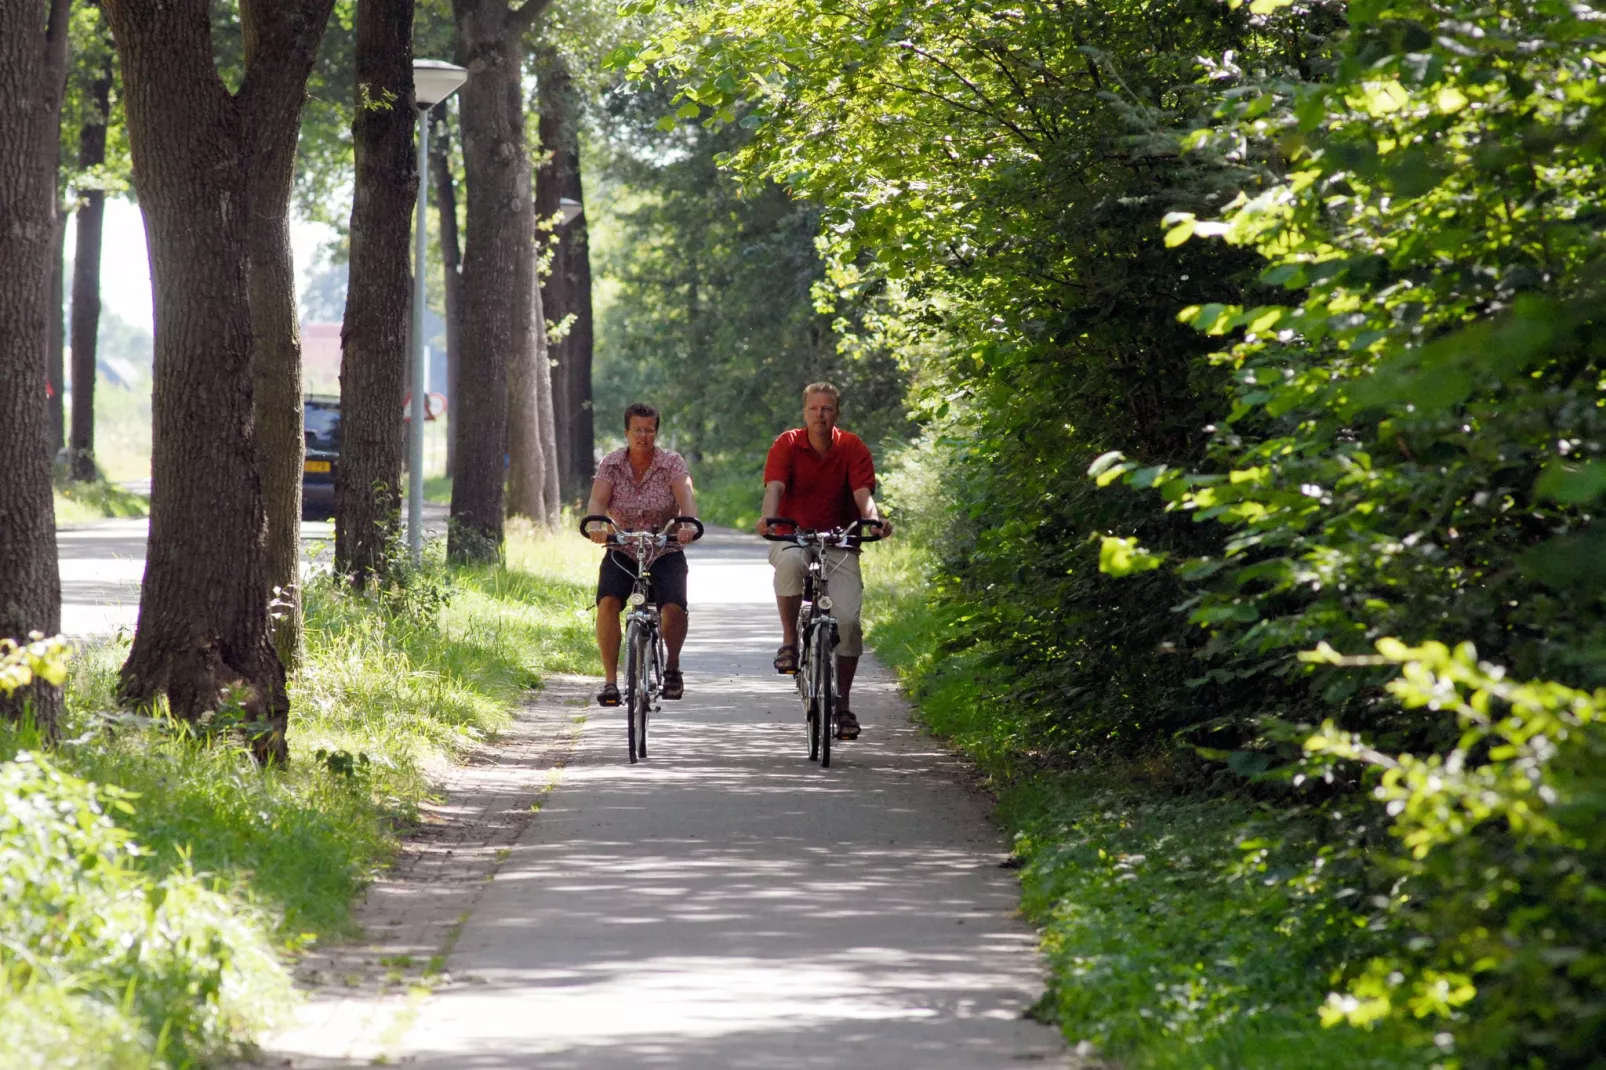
[823, 478]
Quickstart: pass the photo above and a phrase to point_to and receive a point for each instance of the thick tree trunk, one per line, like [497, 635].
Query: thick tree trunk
[86, 279]
[272, 132]
[445, 191]
[498, 175]
[566, 290]
[32, 70]
[374, 339]
[58, 333]
[204, 630]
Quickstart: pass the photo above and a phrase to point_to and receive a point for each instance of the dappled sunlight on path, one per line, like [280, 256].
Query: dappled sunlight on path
[727, 903]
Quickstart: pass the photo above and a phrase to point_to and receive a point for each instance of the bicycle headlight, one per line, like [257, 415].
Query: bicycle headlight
[825, 603]
[637, 598]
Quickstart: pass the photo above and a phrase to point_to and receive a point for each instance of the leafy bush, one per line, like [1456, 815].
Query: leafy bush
[1500, 865]
[162, 970]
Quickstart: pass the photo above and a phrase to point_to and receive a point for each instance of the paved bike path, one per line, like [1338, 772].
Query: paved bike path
[729, 904]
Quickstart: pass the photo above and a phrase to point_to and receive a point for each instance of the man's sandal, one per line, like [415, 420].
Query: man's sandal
[674, 684]
[609, 695]
[847, 725]
[786, 660]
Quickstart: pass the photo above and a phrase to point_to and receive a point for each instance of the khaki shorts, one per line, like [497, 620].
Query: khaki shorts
[842, 580]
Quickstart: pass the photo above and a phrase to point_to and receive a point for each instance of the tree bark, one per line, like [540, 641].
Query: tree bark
[567, 288]
[86, 278]
[445, 183]
[374, 338]
[526, 461]
[551, 497]
[204, 636]
[58, 329]
[272, 36]
[498, 175]
[33, 63]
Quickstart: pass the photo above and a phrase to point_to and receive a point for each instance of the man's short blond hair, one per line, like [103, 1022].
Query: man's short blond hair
[823, 388]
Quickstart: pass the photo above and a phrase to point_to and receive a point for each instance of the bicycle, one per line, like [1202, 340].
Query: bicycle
[644, 637]
[817, 628]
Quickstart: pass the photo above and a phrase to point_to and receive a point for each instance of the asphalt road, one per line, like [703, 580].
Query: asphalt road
[727, 903]
[102, 565]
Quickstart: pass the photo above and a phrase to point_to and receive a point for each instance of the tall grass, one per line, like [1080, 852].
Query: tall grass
[212, 870]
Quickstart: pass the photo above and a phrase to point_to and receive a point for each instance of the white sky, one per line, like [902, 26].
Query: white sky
[125, 274]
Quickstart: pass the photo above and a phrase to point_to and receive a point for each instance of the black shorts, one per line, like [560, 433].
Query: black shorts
[617, 578]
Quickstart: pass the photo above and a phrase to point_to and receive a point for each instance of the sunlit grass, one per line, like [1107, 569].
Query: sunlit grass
[83, 503]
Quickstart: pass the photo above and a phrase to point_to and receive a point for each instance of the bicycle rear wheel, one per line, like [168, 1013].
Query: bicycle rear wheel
[636, 690]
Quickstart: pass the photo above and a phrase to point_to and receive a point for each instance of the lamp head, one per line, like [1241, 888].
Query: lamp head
[434, 80]
[569, 210]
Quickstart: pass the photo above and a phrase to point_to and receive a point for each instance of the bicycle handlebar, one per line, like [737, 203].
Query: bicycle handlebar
[619, 538]
[800, 534]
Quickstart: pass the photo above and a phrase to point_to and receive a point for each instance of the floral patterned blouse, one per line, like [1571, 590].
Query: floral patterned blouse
[644, 504]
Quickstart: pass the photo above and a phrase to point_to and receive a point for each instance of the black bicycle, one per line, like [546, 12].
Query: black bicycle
[817, 628]
[644, 636]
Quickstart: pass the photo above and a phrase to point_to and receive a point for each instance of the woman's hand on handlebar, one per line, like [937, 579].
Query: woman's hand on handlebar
[597, 528]
[686, 529]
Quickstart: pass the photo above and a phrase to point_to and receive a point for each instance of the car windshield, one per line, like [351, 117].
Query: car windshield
[323, 426]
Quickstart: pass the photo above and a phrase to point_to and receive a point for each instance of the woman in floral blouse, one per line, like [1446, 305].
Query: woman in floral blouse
[641, 488]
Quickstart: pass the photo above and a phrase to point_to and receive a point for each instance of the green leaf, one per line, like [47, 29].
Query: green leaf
[1572, 484]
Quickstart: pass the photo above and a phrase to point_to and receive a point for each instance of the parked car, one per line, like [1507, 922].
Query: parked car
[321, 413]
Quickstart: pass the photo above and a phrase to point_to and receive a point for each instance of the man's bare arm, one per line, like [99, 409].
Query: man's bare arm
[867, 510]
[772, 501]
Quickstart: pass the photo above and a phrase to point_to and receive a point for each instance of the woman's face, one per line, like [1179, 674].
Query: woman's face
[642, 433]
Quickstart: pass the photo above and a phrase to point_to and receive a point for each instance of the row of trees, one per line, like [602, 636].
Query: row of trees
[1249, 341]
[212, 98]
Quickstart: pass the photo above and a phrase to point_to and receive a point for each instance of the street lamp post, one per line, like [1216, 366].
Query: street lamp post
[433, 82]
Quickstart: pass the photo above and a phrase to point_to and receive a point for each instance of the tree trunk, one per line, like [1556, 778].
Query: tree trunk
[86, 278]
[33, 66]
[551, 498]
[566, 290]
[272, 132]
[526, 461]
[498, 173]
[204, 630]
[58, 329]
[445, 183]
[374, 339]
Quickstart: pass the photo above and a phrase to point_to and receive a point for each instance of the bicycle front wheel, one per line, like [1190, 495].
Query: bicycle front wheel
[825, 692]
[636, 690]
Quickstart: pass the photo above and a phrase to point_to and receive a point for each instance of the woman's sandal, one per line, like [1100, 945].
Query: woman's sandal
[674, 684]
[786, 660]
[609, 695]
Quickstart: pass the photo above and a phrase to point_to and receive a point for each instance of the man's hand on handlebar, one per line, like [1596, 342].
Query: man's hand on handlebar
[885, 525]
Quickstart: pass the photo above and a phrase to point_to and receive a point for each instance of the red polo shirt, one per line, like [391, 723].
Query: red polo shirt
[819, 488]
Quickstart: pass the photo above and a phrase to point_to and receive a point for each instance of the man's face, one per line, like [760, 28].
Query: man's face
[643, 432]
[819, 413]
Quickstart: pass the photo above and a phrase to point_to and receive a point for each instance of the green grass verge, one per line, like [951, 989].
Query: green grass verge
[1183, 931]
[83, 503]
[438, 489]
[210, 869]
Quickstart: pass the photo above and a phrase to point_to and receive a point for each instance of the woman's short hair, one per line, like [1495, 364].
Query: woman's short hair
[641, 408]
[823, 388]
